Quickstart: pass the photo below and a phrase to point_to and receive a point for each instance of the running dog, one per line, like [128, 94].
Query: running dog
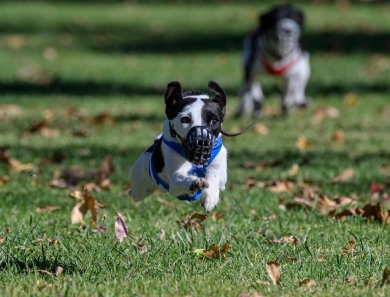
[188, 160]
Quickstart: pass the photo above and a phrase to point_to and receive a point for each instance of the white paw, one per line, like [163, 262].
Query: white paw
[209, 202]
[199, 184]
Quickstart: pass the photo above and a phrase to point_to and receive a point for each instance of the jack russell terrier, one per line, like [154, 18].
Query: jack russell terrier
[188, 160]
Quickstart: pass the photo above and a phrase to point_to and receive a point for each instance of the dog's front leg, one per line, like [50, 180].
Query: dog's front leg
[180, 182]
[294, 84]
[216, 177]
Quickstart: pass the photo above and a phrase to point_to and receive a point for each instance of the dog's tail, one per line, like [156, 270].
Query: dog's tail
[238, 133]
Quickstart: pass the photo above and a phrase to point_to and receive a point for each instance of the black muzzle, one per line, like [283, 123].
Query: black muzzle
[198, 145]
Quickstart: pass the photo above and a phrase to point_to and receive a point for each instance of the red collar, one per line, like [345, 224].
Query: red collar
[278, 71]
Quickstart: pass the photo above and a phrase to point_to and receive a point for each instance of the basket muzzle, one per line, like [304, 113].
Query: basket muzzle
[198, 145]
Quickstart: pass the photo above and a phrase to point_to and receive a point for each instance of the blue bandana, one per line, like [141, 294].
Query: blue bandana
[199, 171]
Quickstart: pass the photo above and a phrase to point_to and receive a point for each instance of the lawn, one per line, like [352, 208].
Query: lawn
[93, 74]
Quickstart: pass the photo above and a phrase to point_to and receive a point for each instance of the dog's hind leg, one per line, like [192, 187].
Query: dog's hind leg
[294, 84]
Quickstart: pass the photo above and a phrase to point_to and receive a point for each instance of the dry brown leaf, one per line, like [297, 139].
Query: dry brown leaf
[252, 212]
[85, 202]
[294, 170]
[121, 230]
[14, 166]
[338, 137]
[105, 169]
[15, 41]
[261, 129]
[344, 176]
[50, 53]
[321, 260]
[162, 234]
[321, 113]
[50, 133]
[273, 272]
[3, 238]
[9, 111]
[302, 144]
[349, 250]
[215, 252]
[385, 277]
[59, 271]
[350, 100]
[33, 76]
[192, 221]
[104, 119]
[307, 283]
[3, 180]
[217, 216]
[47, 209]
[281, 186]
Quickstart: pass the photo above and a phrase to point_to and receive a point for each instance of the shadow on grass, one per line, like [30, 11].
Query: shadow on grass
[31, 265]
[321, 41]
[103, 89]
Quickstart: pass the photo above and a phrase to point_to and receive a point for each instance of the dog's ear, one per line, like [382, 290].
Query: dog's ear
[174, 93]
[220, 96]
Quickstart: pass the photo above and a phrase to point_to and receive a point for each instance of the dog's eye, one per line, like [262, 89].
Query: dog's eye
[214, 122]
[185, 120]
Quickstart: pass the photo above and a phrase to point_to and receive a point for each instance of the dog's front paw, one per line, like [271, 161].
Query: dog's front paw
[209, 202]
[199, 184]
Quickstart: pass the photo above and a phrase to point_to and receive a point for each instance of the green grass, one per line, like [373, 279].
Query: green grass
[118, 58]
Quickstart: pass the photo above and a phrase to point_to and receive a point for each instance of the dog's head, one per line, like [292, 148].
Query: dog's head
[281, 28]
[195, 119]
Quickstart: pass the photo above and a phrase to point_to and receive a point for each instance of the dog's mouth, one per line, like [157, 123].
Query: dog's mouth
[198, 145]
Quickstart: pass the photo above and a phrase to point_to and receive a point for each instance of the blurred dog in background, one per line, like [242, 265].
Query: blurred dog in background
[274, 48]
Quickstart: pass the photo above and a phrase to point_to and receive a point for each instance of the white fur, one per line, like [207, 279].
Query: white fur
[175, 171]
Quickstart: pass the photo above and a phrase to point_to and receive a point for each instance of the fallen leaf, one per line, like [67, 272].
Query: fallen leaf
[50, 133]
[321, 113]
[217, 216]
[162, 234]
[273, 272]
[47, 209]
[214, 251]
[307, 283]
[103, 119]
[15, 41]
[350, 100]
[3, 238]
[338, 137]
[3, 180]
[344, 176]
[189, 221]
[50, 53]
[121, 230]
[349, 250]
[59, 271]
[385, 277]
[9, 111]
[261, 129]
[294, 170]
[15, 167]
[85, 202]
[302, 144]
[105, 169]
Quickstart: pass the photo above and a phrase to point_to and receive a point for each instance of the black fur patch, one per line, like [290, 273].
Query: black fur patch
[269, 19]
[157, 157]
[212, 110]
[173, 110]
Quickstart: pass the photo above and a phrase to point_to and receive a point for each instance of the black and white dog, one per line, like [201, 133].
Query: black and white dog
[188, 159]
[274, 48]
